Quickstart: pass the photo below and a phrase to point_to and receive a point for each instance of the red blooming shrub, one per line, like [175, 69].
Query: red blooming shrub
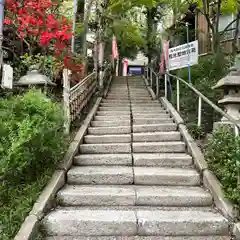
[34, 19]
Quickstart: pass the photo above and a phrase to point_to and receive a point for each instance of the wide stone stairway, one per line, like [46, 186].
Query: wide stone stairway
[133, 178]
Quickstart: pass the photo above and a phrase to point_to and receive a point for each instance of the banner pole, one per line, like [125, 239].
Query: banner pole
[189, 68]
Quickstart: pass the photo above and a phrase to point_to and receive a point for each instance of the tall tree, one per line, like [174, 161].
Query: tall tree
[212, 10]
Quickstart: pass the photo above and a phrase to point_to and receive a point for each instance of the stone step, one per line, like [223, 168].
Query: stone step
[139, 98]
[90, 223]
[172, 196]
[152, 104]
[106, 104]
[110, 123]
[158, 147]
[180, 223]
[141, 95]
[79, 222]
[166, 176]
[145, 121]
[100, 175]
[114, 108]
[105, 148]
[114, 97]
[137, 89]
[112, 117]
[140, 207]
[107, 195]
[109, 130]
[103, 159]
[138, 92]
[156, 136]
[97, 195]
[151, 115]
[135, 101]
[117, 113]
[159, 111]
[139, 84]
[119, 94]
[149, 109]
[121, 138]
[116, 101]
[155, 127]
[139, 238]
[162, 159]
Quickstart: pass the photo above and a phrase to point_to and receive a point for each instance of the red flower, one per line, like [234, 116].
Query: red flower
[46, 38]
[7, 21]
[34, 18]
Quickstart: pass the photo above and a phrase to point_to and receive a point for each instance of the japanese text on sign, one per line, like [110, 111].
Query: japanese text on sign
[183, 55]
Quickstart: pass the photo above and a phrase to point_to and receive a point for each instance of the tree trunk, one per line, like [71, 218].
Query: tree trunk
[74, 25]
[80, 10]
[149, 34]
[101, 63]
[235, 40]
[102, 29]
[85, 32]
[95, 56]
[1, 30]
[216, 35]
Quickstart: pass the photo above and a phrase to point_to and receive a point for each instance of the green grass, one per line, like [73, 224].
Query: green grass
[16, 202]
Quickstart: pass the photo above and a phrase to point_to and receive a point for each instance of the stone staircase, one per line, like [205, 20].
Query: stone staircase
[133, 178]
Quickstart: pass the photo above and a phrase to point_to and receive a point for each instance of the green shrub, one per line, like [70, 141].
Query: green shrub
[196, 131]
[31, 136]
[31, 144]
[205, 75]
[223, 156]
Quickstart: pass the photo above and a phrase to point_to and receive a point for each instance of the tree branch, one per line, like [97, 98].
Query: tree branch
[218, 15]
[24, 40]
[227, 27]
[9, 49]
[206, 14]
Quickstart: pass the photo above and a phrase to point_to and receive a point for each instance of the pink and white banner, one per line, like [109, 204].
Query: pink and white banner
[125, 67]
[115, 54]
[164, 61]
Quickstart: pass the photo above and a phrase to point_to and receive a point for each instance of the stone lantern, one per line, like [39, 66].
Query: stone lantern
[34, 78]
[231, 100]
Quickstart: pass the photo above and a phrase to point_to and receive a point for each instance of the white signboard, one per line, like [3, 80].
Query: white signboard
[7, 76]
[183, 55]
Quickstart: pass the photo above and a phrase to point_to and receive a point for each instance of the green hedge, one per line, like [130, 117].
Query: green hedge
[31, 143]
[223, 153]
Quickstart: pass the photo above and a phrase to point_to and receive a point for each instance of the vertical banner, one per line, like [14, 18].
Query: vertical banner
[115, 54]
[125, 67]
[164, 61]
[114, 48]
[161, 65]
[165, 48]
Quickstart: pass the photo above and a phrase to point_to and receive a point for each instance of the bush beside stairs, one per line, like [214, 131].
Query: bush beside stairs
[133, 178]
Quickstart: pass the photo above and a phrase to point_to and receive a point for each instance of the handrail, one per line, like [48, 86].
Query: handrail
[214, 106]
[83, 81]
[200, 96]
